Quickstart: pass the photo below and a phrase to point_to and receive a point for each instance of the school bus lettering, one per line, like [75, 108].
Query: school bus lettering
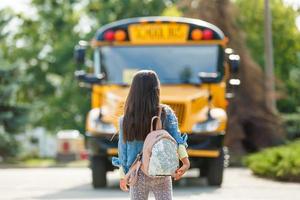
[158, 33]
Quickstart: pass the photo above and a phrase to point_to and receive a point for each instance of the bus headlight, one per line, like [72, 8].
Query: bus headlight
[95, 124]
[206, 126]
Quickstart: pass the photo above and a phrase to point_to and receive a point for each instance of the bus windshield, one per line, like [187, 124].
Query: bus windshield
[173, 64]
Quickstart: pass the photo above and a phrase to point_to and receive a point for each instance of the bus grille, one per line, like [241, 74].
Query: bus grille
[179, 110]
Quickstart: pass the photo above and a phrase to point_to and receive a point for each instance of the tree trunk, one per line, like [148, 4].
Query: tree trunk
[252, 125]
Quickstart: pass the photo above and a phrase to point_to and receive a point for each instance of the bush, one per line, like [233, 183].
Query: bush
[281, 163]
[8, 145]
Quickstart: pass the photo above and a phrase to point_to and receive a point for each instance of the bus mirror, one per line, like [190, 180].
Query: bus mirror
[82, 76]
[79, 52]
[208, 77]
[79, 55]
[234, 62]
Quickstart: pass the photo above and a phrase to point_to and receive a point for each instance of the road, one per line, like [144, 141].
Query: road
[74, 184]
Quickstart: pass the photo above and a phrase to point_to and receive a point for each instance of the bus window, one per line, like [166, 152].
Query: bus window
[173, 64]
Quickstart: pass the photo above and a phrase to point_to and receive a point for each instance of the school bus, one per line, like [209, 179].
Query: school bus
[194, 66]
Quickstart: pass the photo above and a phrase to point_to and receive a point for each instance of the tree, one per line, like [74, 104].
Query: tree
[269, 60]
[285, 42]
[12, 112]
[251, 125]
[44, 51]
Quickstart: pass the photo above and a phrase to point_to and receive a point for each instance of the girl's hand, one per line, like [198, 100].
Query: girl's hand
[185, 166]
[123, 185]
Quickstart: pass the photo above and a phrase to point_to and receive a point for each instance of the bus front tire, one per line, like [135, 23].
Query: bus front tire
[98, 167]
[215, 170]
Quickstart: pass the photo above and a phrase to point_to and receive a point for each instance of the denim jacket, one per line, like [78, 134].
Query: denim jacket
[128, 150]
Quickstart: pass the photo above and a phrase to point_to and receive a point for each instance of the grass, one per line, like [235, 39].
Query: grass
[38, 162]
[280, 163]
[42, 162]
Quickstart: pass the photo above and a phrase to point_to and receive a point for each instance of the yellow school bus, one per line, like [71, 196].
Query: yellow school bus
[193, 65]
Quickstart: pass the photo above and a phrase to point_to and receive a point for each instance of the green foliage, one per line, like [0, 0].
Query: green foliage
[281, 163]
[292, 125]
[8, 145]
[42, 47]
[110, 10]
[12, 113]
[172, 11]
[286, 44]
[287, 105]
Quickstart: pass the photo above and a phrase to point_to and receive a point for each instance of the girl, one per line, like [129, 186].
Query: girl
[141, 105]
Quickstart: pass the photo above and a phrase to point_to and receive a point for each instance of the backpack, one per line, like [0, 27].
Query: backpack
[159, 155]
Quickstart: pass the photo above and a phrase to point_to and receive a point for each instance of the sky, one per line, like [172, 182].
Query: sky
[24, 7]
[17, 5]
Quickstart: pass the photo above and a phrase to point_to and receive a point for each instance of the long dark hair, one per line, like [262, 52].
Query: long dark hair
[141, 105]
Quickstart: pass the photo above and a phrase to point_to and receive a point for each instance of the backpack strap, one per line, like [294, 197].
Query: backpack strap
[158, 122]
[132, 174]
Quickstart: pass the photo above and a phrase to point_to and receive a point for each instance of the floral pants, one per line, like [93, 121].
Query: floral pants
[160, 186]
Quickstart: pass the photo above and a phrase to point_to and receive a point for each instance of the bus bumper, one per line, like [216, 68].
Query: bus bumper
[102, 145]
[199, 145]
[205, 145]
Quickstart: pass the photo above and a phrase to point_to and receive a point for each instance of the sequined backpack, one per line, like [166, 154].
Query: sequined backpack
[159, 155]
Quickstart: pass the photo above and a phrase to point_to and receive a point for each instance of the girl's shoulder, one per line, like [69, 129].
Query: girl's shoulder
[168, 111]
[166, 108]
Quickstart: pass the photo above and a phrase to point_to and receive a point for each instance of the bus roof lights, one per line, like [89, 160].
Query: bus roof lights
[208, 34]
[196, 34]
[109, 35]
[209, 31]
[120, 35]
